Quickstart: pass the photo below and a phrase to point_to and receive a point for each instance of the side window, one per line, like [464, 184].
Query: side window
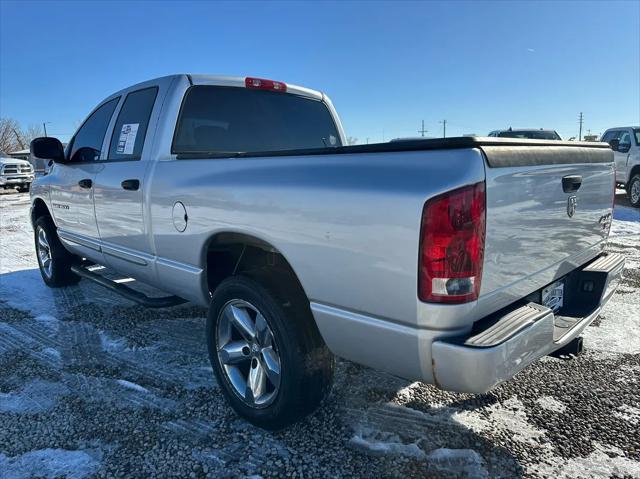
[130, 129]
[625, 142]
[87, 142]
[610, 135]
[625, 138]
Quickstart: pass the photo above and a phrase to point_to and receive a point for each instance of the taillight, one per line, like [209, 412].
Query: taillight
[262, 84]
[452, 246]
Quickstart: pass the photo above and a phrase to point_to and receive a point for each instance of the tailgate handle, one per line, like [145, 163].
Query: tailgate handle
[571, 183]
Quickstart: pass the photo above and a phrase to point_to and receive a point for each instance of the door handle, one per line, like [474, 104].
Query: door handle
[132, 185]
[86, 183]
[571, 183]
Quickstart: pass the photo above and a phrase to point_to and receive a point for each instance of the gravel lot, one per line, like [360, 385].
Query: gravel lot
[92, 385]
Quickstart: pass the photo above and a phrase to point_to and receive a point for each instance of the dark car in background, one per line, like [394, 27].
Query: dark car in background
[530, 133]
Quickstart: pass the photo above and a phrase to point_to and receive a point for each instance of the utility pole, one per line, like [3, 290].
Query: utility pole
[444, 128]
[422, 131]
[44, 125]
[580, 119]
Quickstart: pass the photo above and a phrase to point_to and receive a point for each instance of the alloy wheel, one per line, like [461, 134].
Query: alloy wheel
[635, 191]
[248, 353]
[44, 252]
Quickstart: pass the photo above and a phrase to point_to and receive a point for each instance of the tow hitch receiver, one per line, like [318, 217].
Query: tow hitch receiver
[572, 348]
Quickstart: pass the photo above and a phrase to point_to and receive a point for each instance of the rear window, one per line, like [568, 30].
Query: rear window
[530, 134]
[218, 119]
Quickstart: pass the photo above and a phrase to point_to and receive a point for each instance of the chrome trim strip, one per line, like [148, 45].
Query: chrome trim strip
[78, 239]
[127, 255]
[187, 268]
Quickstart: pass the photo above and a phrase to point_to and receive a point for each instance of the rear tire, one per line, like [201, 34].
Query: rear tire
[287, 342]
[53, 259]
[633, 190]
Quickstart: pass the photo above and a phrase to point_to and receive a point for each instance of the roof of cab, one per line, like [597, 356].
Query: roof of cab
[221, 80]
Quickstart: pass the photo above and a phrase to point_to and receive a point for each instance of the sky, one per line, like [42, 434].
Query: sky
[387, 66]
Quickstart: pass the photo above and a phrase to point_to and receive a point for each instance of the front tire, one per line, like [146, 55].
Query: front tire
[53, 259]
[633, 190]
[267, 353]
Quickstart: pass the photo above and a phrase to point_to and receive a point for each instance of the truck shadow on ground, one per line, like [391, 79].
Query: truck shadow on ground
[137, 387]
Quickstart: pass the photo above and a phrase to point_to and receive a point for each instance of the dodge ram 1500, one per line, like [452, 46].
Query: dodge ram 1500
[456, 262]
[15, 173]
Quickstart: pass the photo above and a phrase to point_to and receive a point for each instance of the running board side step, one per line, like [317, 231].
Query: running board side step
[125, 291]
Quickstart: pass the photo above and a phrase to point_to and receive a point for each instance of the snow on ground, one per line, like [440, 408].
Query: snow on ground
[391, 444]
[619, 329]
[629, 413]
[93, 384]
[49, 464]
[551, 404]
[130, 385]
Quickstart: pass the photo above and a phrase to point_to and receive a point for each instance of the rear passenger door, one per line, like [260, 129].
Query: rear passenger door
[119, 186]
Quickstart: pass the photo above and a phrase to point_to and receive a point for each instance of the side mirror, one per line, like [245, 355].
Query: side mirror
[615, 144]
[47, 148]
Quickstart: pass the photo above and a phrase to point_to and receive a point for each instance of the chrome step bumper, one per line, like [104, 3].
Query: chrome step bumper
[506, 343]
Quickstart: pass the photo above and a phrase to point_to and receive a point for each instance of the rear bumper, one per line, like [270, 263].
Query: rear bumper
[495, 350]
[479, 362]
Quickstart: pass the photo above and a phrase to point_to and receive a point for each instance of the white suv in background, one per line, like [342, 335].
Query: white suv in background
[625, 143]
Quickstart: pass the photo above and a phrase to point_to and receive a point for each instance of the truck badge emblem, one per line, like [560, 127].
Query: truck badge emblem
[572, 202]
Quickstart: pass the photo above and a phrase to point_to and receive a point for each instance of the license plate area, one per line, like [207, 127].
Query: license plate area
[553, 296]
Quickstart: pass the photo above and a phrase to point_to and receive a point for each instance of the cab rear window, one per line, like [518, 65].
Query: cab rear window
[217, 119]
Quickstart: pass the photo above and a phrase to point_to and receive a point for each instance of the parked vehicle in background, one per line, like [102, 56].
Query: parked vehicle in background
[530, 133]
[625, 143]
[15, 173]
[457, 261]
[410, 138]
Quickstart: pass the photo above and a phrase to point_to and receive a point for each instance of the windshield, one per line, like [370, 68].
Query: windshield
[530, 134]
[217, 119]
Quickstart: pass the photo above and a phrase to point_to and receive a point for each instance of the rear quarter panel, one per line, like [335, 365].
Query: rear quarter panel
[347, 224]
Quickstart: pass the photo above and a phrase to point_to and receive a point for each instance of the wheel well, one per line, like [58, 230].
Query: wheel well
[39, 209]
[634, 171]
[230, 254]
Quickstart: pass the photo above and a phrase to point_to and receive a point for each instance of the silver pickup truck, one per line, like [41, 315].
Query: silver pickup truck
[15, 173]
[456, 262]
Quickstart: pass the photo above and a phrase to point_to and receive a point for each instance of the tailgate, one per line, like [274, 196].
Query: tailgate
[537, 229]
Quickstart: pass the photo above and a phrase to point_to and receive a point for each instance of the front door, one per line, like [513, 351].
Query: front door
[119, 187]
[72, 184]
[622, 155]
